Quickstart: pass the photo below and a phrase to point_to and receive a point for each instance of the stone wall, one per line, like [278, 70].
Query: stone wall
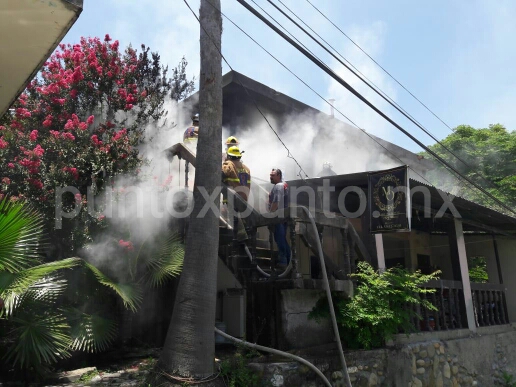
[477, 360]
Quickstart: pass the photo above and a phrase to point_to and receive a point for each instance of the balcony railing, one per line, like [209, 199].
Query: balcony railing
[489, 306]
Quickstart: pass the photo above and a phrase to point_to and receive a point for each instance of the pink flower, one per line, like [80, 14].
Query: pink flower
[73, 171]
[118, 135]
[101, 217]
[96, 140]
[90, 119]
[126, 245]
[55, 133]
[23, 113]
[3, 143]
[73, 93]
[10, 165]
[6, 181]
[68, 125]
[38, 151]
[33, 135]
[107, 38]
[2, 127]
[78, 197]
[36, 183]
[77, 76]
[68, 136]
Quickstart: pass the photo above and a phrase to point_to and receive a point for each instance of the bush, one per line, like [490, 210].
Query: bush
[378, 309]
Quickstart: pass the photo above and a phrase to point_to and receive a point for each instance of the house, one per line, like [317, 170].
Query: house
[444, 232]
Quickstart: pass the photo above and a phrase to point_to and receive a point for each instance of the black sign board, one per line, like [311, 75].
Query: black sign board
[389, 197]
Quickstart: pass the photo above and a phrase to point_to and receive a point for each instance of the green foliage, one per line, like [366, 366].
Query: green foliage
[20, 244]
[489, 153]
[39, 329]
[478, 269]
[88, 376]
[508, 380]
[235, 373]
[165, 262]
[378, 309]
[82, 122]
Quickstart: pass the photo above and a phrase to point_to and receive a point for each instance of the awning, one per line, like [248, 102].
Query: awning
[30, 30]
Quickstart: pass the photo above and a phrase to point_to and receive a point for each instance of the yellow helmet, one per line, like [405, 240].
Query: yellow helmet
[232, 140]
[234, 151]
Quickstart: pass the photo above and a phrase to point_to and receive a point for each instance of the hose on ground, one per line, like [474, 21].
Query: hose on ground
[276, 352]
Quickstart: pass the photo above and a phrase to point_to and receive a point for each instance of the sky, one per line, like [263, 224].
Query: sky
[456, 57]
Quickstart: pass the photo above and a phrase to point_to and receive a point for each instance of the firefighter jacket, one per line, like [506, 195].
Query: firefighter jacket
[191, 133]
[236, 174]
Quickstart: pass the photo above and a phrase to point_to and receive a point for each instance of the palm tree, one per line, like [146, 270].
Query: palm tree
[37, 325]
[189, 348]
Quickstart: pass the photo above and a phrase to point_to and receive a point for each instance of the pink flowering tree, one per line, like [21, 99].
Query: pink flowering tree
[79, 123]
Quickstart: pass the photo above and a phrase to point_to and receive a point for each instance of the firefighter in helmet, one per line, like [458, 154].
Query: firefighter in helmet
[192, 132]
[230, 141]
[237, 176]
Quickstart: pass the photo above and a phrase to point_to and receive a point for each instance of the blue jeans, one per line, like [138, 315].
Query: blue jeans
[280, 236]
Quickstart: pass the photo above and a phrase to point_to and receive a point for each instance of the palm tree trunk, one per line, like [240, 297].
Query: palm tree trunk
[190, 346]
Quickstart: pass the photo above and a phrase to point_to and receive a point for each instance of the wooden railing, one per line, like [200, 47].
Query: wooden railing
[489, 305]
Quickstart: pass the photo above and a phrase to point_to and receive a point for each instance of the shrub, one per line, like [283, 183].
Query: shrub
[378, 309]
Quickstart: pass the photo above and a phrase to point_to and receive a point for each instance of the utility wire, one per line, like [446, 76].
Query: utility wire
[378, 64]
[320, 96]
[289, 154]
[366, 101]
[373, 87]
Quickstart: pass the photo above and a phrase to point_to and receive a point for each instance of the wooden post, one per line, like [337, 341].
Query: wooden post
[466, 285]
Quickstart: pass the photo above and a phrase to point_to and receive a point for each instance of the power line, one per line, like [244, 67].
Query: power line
[320, 96]
[289, 154]
[363, 99]
[370, 85]
[378, 64]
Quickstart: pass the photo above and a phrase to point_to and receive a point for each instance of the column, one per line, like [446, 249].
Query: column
[379, 252]
[466, 286]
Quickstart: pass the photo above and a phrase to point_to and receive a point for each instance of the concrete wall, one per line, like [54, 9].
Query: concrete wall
[478, 360]
[297, 329]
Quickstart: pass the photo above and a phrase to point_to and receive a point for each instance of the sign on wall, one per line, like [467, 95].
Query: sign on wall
[389, 200]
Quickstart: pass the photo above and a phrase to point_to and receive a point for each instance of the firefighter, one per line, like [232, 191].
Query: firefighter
[192, 132]
[237, 176]
[230, 141]
[279, 199]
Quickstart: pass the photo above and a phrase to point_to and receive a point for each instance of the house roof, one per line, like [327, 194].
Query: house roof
[242, 95]
[30, 31]
[475, 217]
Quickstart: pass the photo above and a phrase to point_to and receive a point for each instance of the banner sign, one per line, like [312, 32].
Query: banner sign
[389, 200]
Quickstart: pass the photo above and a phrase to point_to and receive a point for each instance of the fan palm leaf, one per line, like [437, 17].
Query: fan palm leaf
[20, 281]
[40, 339]
[44, 292]
[20, 236]
[91, 332]
[167, 263]
[130, 294]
